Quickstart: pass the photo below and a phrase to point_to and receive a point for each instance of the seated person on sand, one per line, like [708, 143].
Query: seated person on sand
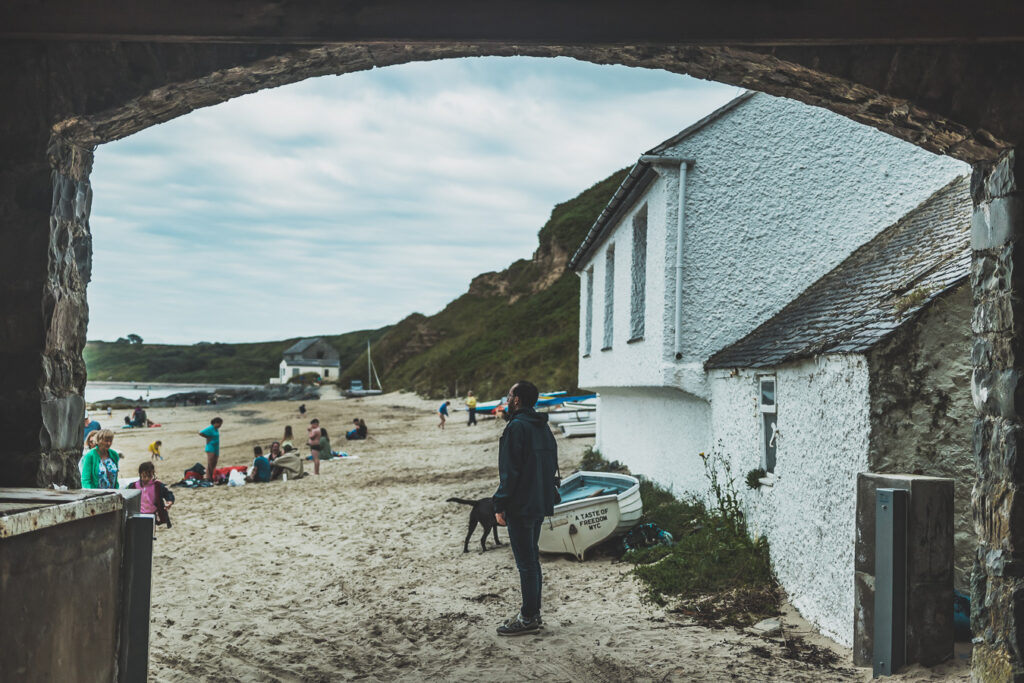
[359, 432]
[325, 444]
[260, 467]
[275, 451]
[287, 439]
[288, 463]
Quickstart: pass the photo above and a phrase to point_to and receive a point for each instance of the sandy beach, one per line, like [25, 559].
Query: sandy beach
[359, 574]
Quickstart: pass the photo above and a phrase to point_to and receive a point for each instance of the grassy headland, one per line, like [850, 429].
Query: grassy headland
[520, 322]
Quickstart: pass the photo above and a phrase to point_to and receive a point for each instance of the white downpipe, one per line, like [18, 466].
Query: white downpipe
[684, 164]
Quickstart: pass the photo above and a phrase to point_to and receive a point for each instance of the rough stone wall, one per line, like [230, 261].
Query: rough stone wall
[656, 432]
[997, 357]
[809, 514]
[922, 415]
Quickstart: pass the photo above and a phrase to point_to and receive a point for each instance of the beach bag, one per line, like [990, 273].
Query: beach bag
[197, 471]
[236, 478]
[644, 536]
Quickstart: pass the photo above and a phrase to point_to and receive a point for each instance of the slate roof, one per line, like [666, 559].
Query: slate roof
[865, 298]
[301, 345]
[636, 181]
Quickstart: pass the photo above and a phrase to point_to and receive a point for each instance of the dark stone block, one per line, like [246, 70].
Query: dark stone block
[997, 223]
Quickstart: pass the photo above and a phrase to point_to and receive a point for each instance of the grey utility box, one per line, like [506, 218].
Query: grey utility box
[929, 567]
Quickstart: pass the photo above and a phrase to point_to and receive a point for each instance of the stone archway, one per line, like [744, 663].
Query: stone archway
[69, 97]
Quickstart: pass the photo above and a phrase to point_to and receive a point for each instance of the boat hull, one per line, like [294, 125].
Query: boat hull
[596, 506]
[571, 429]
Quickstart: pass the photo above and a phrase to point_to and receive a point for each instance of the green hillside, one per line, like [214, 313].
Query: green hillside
[520, 323]
[204, 362]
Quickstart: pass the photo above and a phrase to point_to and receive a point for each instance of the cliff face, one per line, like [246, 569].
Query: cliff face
[519, 323]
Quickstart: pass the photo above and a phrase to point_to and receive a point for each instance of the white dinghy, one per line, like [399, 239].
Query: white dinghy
[588, 428]
[558, 417]
[595, 506]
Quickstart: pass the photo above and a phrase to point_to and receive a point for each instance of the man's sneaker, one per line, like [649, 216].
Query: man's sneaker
[517, 626]
[517, 616]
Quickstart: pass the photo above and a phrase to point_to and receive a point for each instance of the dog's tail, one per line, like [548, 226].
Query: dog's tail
[463, 501]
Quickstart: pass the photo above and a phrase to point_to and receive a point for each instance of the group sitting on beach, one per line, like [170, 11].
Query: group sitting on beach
[359, 432]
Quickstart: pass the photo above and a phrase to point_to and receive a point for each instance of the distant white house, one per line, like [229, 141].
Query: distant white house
[712, 233]
[313, 354]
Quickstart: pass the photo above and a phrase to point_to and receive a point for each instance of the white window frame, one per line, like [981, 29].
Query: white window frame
[763, 410]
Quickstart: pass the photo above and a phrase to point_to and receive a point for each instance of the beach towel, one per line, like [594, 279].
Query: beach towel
[290, 463]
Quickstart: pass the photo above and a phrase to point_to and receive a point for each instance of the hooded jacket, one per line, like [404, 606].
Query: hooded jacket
[527, 462]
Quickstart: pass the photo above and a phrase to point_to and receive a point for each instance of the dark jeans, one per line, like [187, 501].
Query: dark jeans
[523, 535]
[472, 416]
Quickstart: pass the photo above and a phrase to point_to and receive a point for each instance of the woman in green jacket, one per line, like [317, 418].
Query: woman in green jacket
[99, 466]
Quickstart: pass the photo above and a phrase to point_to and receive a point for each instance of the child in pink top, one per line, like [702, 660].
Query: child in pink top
[156, 497]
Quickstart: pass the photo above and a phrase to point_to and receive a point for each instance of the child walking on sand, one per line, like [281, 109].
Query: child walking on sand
[442, 412]
[154, 451]
[156, 497]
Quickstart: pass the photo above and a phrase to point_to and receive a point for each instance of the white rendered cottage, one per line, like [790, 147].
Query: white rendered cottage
[312, 354]
[868, 370]
[774, 195]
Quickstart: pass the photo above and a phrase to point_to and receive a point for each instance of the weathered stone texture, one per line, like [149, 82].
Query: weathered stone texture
[997, 589]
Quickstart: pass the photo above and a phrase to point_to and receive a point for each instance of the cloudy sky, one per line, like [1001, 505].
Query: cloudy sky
[344, 203]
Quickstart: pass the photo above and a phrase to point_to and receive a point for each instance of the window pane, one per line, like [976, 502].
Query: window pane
[638, 300]
[768, 421]
[767, 392]
[609, 296]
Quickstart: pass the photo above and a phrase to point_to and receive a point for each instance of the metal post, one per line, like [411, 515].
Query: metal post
[890, 633]
[137, 579]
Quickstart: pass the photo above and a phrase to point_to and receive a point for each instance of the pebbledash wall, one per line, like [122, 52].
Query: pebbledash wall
[808, 515]
[779, 194]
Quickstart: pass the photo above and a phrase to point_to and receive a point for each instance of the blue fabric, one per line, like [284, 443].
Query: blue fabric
[443, 409]
[213, 445]
[107, 475]
[91, 427]
[523, 536]
[262, 473]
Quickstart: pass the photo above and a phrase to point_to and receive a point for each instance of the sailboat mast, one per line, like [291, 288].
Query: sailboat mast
[369, 366]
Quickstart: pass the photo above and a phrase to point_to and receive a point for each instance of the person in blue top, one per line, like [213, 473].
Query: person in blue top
[261, 467]
[100, 465]
[442, 412]
[212, 436]
[90, 426]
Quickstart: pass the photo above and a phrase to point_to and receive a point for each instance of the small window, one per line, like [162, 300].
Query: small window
[609, 297]
[638, 298]
[768, 411]
[327, 372]
[295, 372]
[588, 331]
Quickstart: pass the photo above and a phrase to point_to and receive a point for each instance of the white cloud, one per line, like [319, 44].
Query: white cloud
[348, 202]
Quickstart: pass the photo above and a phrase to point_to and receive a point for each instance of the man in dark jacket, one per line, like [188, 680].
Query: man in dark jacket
[527, 463]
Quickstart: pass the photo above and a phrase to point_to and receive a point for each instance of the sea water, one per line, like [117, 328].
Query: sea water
[143, 391]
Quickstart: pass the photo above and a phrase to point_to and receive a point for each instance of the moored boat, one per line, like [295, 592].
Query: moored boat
[588, 428]
[595, 506]
[557, 417]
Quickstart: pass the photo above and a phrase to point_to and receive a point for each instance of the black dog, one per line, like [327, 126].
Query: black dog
[483, 514]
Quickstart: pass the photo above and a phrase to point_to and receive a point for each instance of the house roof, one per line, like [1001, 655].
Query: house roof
[313, 363]
[873, 292]
[301, 345]
[636, 181]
